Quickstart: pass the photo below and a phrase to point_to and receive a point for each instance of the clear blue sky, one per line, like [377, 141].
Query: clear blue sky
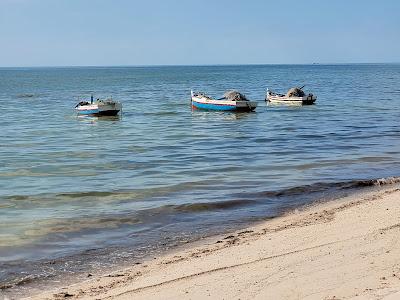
[158, 32]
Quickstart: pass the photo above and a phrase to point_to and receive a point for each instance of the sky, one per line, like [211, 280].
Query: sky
[197, 32]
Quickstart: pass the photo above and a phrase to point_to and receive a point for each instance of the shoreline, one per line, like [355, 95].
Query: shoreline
[341, 249]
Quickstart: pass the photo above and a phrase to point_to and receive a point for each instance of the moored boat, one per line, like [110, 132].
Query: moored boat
[232, 101]
[107, 107]
[293, 96]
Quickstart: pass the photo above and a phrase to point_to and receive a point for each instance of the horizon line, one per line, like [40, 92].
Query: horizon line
[197, 65]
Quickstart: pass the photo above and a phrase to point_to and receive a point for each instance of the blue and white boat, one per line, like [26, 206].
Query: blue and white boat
[232, 101]
[107, 107]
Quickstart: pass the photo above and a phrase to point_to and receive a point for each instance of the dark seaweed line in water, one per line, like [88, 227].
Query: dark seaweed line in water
[70, 225]
[315, 187]
[114, 220]
[325, 186]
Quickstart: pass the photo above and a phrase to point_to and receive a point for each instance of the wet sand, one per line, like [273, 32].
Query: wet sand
[344, 249]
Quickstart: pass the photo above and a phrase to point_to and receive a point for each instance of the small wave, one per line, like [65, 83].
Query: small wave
[25, 95]
[193, 208]
[199, 207]
[325, 186]
[17, 282]
[162, 113]
[377, 182]
[89, 194]
[125, 194]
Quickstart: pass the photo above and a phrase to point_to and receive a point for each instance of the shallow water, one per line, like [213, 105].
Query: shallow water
[163, 171]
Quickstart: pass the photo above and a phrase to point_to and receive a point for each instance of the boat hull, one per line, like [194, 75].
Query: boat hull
[99, 110]
[98, 113]
[221, 105]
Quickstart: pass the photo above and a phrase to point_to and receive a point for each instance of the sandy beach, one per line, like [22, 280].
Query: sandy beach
[344, 249]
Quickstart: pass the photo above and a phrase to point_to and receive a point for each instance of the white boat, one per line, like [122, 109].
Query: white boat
[293, 96]
[107, 107]
[232, 101]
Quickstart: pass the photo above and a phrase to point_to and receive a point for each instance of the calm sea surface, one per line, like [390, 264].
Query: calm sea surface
[164, 173]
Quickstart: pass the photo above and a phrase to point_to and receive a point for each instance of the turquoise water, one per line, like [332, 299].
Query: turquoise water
[163, 172]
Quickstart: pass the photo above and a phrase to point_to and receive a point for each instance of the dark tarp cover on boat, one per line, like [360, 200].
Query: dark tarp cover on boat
[235, 96]
[295, 92]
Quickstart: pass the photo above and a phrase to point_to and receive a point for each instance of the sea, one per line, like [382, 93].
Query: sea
[82, 195]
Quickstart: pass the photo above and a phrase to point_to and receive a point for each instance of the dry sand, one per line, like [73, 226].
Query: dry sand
[345, 249]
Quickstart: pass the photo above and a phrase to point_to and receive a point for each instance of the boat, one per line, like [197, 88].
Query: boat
[232, 101]
[106, 107]
[293, 96]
